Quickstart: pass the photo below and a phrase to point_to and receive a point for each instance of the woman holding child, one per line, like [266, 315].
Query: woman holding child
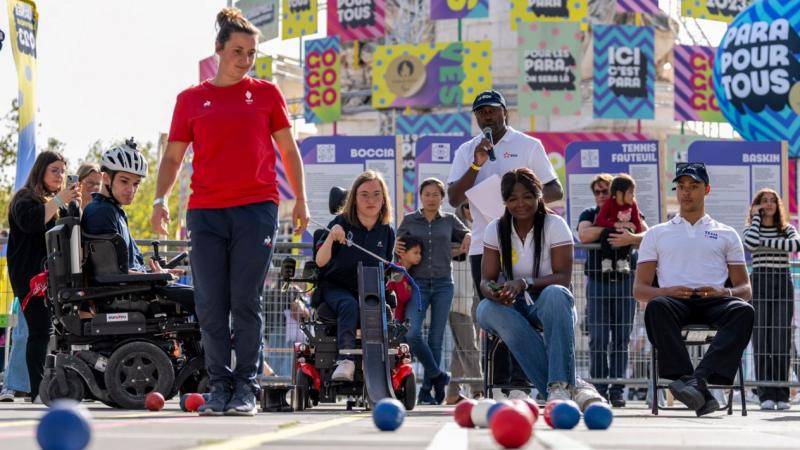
[438, 231]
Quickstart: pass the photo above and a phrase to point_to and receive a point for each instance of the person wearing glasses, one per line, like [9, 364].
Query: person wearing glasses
[694, 257]
[609, 305]
[89, 182]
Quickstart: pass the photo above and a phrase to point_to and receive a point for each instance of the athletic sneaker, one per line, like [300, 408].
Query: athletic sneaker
[585, 394]
[517, 394]
[767, 405]
[558, 391]
[623, 266]
[498, 394]
[783, 406]
[7, 395]
[243, 401]
[345, 371]
[606, 265]
[219, 397]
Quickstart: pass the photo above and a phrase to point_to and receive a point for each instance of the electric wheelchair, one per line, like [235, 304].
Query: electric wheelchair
[118, 336]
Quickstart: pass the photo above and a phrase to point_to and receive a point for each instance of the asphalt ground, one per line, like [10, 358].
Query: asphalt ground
[427, 427]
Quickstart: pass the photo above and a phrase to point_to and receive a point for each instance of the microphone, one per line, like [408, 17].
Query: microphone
[487, 133]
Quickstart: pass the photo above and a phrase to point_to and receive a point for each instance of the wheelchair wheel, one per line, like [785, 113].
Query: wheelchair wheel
[408, 392]
[50, 391]
[136, 369]
[300, 396]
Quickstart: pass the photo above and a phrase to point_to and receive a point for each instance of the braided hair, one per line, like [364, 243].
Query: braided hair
[531, 182]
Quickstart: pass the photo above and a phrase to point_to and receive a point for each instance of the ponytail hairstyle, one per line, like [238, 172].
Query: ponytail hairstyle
[531, 182]
[231, 20]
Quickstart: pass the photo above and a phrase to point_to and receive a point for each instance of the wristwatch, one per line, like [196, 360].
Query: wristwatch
[160, 201]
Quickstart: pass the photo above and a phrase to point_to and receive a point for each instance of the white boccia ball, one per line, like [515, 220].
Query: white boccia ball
[478, 414]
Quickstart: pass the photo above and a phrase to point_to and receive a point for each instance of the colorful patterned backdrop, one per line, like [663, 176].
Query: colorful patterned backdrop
[548, 11]
[298, 20]
[459, 9]
[694, 88]
[640, 6]
[322, 100]
[624, 72]
[356, 21]
[723, 11]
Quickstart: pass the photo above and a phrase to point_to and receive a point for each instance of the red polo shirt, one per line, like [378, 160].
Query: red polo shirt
[230, 129]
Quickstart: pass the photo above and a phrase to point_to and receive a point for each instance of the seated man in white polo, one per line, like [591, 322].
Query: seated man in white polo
[693, 256]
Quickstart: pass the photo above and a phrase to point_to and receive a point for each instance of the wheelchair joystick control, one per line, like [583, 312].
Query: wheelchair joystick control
[157, 256]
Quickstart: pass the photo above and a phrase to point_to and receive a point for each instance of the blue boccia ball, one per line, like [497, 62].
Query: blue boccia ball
[598, 416]
[183, 402]
[64, 427]
[388, 414]
[565, 415]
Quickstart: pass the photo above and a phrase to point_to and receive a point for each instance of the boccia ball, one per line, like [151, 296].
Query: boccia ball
[548, 410]
[154, 401]
[598, 416]
[462, 413]
[66, 426]
[523, 408]
[479, 411]
[496, 407]
[388, 414]
[194, 402]
[510, 428]
[565, 415]
[183, 402]
[533, 407]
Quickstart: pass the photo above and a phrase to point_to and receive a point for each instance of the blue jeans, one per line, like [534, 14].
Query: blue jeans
[544, 360]
[345, 304]
[609, 311]
[230, 254]
[17, 369]
[436, 293]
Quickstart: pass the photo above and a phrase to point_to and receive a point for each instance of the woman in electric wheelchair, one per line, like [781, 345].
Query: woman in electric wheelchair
[364, 220]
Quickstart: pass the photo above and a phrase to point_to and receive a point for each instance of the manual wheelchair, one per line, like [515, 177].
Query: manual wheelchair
[118, 336]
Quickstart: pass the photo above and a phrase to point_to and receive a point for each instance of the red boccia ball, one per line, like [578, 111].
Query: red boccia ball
[523, 408]
[463, 413]
[154, 401]
[194, 402]
[548, 410]
[511, 428]
[533, 407]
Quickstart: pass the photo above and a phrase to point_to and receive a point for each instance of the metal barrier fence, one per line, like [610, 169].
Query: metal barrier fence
[610, 348]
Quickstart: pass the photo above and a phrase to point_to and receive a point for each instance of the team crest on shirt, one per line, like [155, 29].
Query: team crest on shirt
[248, 97]
[507, 155]
[711, 235]
[380, 244]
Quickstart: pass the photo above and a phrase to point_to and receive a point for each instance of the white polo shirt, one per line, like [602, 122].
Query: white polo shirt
[556, 233]
[692, 255]
[514, 150]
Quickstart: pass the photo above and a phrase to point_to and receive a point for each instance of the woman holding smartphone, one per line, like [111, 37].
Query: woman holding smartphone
[34, 210]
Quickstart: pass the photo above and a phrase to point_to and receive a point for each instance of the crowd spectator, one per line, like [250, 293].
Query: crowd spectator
[89, 181]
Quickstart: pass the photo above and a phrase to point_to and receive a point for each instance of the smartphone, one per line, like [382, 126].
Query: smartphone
[72, 180]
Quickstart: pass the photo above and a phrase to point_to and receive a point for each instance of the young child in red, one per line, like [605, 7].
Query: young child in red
[619, 211]
[398, 281]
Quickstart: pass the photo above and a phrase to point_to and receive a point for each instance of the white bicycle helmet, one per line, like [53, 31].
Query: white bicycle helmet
[125, 158]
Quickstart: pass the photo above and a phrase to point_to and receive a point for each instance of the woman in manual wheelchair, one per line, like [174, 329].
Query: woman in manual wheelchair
[365, 220]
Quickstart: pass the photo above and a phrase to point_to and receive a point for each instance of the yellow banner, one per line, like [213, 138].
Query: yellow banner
[425, 75]
[723, 11]
[23, 22]
[263, 68]
[548, 11]
[299, 18]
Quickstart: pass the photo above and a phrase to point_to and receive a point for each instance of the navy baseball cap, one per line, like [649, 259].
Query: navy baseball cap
[695, 170]
[489, 98]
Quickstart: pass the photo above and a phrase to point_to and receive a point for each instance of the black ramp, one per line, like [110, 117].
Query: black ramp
[374, 340]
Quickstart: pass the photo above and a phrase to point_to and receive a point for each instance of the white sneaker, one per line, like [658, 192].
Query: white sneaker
[585, 394]
[623, 266]
[767, 405]
[558, 391]
[606, 265]
[7, 395]
[783, 406]
[516, 394]
[344, 370]
[498, 394]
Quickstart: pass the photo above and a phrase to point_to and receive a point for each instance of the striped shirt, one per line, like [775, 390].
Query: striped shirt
[770, 247]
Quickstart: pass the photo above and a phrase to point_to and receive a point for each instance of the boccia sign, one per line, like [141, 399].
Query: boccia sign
[757, 73]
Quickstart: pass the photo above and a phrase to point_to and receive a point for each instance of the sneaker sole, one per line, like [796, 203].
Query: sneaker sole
[236, 412]
[708, 408]
[209, 412]
[694, 400]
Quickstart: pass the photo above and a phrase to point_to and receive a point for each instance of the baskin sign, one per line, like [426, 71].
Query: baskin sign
[757, 73]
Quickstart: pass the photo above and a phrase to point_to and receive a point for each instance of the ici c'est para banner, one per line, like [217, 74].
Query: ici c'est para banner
[459, 9]
[549, 77]
[426, 75]
[548, 11]
[299, 18]
[694, 87]
[356, 20]
[624, 72]
[321, 69]
[757, 73]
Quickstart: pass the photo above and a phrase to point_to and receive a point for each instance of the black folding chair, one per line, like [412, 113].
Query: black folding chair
[489, 345]
[695, 336]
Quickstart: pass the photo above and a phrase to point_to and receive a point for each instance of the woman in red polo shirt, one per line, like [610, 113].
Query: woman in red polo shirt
[231, 122]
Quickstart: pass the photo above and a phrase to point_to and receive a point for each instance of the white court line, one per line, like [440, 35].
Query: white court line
[558, 440]
[450, 437]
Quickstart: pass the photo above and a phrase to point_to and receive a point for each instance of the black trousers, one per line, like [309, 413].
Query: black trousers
[40, 327]
[609, 252]
[733, 318]
[507, 370]
[773, 300]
